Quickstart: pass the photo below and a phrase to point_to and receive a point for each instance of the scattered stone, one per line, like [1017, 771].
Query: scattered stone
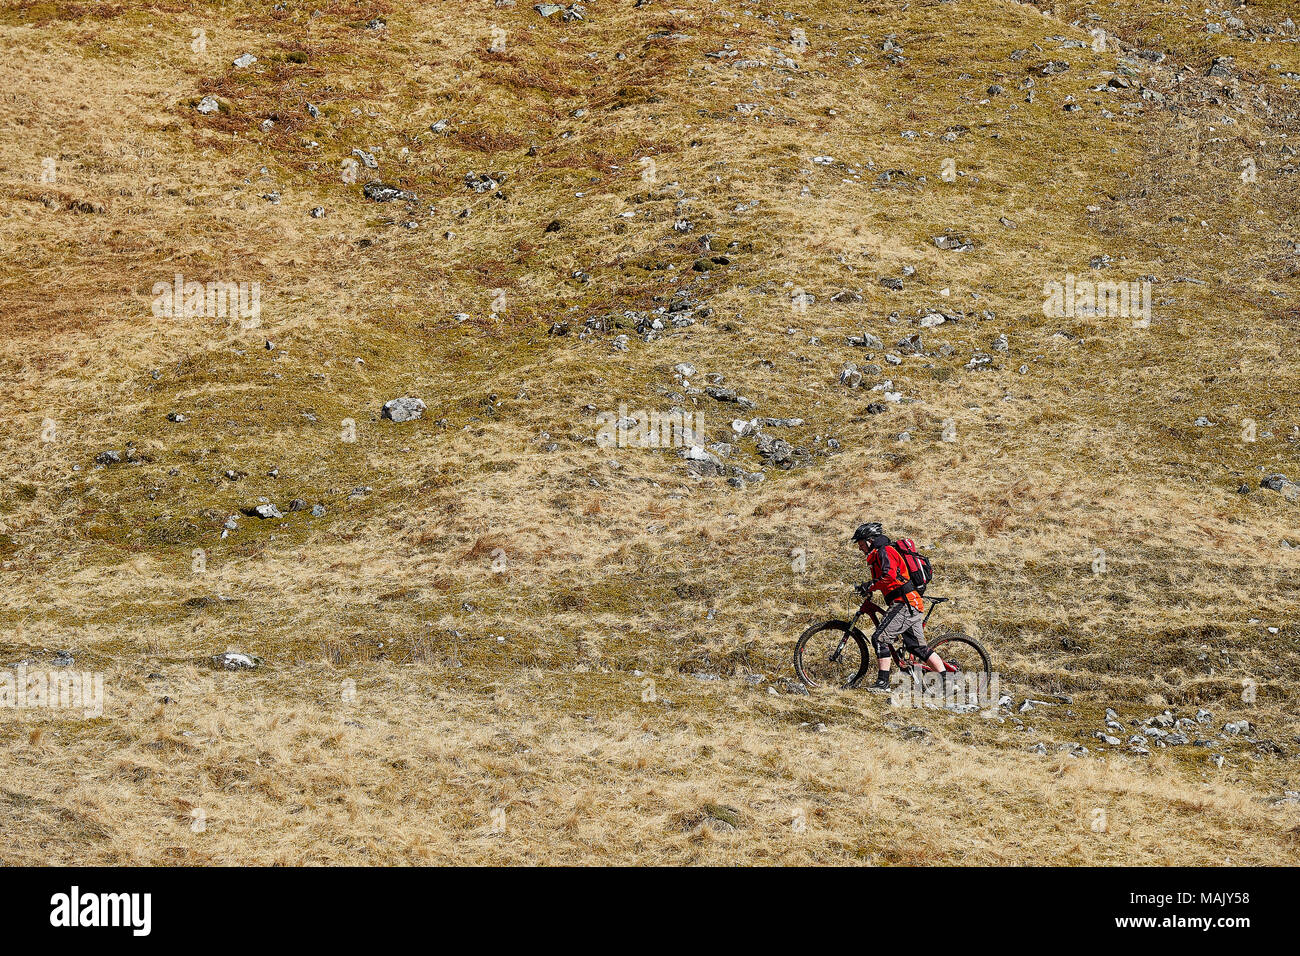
[403, 409]
[567, 14]
[1222, 66]
[208, 105]
[267, 510]
[1276, 483]
[729, 395]
[382, 192]
[234, 661]
[484, 182]
[775, 451]
[953, 243]
[246, 60]
[865, 340]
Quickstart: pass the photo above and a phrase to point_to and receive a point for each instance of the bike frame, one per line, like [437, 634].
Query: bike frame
[870, 607]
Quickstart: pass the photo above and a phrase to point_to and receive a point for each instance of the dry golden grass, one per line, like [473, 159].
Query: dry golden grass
[500, 605]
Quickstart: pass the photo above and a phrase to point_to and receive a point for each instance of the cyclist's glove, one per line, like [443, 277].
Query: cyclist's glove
[863, 589]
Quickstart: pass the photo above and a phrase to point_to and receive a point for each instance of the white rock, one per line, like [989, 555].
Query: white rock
[233, 661]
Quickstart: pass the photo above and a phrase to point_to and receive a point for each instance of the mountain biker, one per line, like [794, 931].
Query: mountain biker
[889, 576]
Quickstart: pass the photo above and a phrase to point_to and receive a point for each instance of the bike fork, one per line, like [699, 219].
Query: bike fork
[839, 649]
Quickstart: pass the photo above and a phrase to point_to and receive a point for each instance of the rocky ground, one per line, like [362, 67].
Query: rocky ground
[334, 333]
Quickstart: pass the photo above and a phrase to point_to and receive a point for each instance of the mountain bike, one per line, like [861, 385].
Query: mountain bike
[837, 654]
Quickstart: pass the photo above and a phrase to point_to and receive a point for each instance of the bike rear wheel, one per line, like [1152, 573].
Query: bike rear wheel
[966, 653]
[831, 655]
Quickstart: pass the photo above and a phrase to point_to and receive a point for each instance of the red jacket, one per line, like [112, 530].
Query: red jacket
[889, 574]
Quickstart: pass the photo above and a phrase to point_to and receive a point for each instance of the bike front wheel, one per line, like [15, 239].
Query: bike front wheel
[831, 654]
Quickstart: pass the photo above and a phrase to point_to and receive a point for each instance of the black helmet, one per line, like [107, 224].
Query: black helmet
[867, 531]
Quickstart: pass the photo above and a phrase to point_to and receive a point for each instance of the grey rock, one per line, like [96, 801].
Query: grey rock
[568, 14]
[728, 395]
[953, 243]
[774, 450]
[382, 192]
[1222, 66]
[484, 182]
[1277, 482]
[866, 340]
[208, 105]
[404, 409]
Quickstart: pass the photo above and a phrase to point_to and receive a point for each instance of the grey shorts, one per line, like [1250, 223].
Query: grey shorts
[901, 620]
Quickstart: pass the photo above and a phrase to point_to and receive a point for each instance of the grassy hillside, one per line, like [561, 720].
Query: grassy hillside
[490, 611]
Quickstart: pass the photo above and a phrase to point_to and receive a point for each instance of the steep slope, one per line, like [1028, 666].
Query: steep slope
[495, 611]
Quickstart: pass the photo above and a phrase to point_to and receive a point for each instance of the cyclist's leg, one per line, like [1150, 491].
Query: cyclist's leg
[891, 625]
[914, 641]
